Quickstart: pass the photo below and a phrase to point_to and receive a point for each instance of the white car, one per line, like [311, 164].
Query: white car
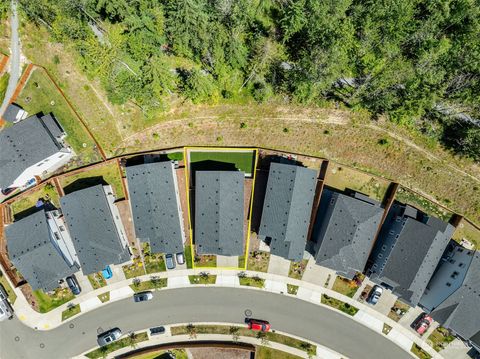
[375, 295]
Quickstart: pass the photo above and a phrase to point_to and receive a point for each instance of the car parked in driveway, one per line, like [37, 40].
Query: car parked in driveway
[180, 258]
[258, 325]
[142, 296]
[422, 323]
[73, 284]
[170, 261]
[107, 272]
[109, 336]
[374, 295]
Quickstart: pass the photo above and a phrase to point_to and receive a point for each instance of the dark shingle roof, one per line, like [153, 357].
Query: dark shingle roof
[53, 126]
[461, 311]
[155, 207]
[31, 251]
[11, 112]
[219, 212]
[287, 209]
[414, 255]
[92, 229]
[344, 231]
[23, 145]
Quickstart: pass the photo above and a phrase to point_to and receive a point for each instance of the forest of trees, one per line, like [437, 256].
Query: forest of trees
[415, 61]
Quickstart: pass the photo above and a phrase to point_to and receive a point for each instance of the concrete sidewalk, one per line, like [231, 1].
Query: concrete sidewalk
[226, 278]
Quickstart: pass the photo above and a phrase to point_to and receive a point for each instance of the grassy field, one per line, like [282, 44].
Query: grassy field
[149, 285]
[119, 344]
[404, 195]
[243, 161]
[40, 95]
[269, 353]
[245, 332]
[466, 230]
[3, 84]
[202, 279]
[70, 312]
[27, 201]
[341, 177]
[345, 286]
[47, 302]
[12, 297]
[100, 174]
[338, 304]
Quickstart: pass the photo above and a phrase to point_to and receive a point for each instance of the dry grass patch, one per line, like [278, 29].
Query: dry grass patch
[258, 261]
[466, 230]
[27, 201]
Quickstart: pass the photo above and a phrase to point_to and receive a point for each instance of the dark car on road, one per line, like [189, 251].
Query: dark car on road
[73, 285]
[143, 296]
[157, 330]
[109, 336]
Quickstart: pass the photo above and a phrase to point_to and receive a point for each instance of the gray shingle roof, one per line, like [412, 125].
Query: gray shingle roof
[92, 229]
[11, 112]
[23, 145]
[344, 231]
[155, 206]
[413, 255]
[287, 209]
[32, 252]
[219, 212]
[461, 311]
[53, 126]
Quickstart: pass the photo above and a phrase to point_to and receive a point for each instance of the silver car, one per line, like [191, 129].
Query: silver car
[375, 295]
[142, 296]
[109, 336]
[6, 311]
[180, 258]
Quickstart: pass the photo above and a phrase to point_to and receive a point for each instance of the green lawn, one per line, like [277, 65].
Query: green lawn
[188, 256]
[292, 289]
[12, 297]
[119, 344]
[297, 268]
[269, 353]
[25, 202]
[241, 262]
[40, 95]
[338, 304]
[205, 261]
[154, 262]
[440, 338]
[243, 161]
[100, 174]
[97, 280]
[70, 312]
[345, 286]
[104, 297]
[135, 269]
[160, 354]
[48, 302]
[3, 85]
[175, 156]
[149, 285]
[202, 279]
[245, 332]
[419, 352]
[252, 282]
[258, 261]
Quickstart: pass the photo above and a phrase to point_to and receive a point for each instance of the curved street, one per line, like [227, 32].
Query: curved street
[318, 324]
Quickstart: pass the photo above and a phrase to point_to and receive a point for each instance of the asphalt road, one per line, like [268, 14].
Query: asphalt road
[14, 58]
[287, 314]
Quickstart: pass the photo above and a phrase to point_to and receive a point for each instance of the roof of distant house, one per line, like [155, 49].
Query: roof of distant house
[93, 230]
[415, 253]
[31, 250]
[344, 231]
[23, 145]
[461, 311]
[219, 212]
[155, 207]
[287, 209]
[11, 112]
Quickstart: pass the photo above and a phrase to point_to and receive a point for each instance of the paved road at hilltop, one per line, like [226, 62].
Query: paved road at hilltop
[14, 57]
[298, 317]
